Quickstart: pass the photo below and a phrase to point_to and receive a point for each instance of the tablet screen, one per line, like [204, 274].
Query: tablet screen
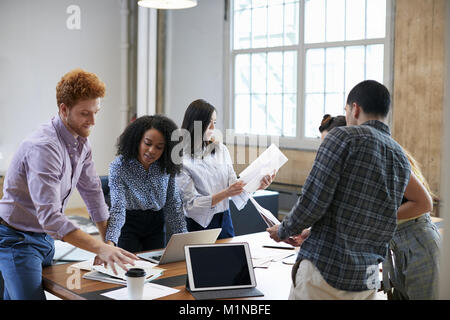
[220, 266]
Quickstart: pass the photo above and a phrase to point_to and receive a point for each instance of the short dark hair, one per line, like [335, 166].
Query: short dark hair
[371, 96]
[329, 122]
[198, 110]
[129, 141]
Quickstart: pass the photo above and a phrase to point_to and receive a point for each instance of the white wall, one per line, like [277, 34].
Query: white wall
[444, 281]
[194, 58]
[37, 49]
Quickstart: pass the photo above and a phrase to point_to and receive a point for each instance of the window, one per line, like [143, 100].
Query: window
[292, 61]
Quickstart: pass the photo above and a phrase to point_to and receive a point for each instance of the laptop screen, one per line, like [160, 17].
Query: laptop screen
[220, 266]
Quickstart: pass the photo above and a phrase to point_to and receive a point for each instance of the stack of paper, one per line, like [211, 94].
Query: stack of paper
[262, 258]
[100, 273]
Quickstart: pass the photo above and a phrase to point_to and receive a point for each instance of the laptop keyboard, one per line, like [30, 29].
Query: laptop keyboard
[157, 258]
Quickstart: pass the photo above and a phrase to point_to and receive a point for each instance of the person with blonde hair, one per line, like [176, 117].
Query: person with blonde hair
[47, 167]
[411, 269]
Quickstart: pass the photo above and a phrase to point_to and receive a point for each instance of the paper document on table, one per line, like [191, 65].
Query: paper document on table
[103, 277]
[267, 216]
[151, 291]
[84, 265]
[149, 268]
[266, 164]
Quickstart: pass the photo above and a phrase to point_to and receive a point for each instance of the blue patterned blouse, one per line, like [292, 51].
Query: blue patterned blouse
[134, 188]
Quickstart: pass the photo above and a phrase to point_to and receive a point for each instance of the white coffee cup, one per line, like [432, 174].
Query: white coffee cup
[135, 283]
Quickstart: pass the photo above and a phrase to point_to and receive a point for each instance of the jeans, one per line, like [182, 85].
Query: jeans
[220, 220]
[142, 231]
[22, 257]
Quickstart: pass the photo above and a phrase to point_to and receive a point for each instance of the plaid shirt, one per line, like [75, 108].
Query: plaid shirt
[350, 199]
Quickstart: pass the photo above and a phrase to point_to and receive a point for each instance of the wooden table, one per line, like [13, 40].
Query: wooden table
[274, 281]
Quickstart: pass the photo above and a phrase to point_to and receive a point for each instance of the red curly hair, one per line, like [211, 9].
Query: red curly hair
[78, 85]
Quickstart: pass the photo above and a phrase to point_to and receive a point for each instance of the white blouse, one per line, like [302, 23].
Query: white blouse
[200, 179]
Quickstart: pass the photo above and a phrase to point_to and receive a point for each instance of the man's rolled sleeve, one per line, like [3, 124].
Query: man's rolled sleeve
[90, 188]
[42, 168]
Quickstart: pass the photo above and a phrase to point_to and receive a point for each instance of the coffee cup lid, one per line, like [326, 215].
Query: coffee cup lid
[135, 272]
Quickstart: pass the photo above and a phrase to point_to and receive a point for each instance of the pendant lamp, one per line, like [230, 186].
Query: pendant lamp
[168, 4]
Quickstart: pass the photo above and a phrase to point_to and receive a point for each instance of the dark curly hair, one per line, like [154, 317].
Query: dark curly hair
[329, 122]
[129, 141]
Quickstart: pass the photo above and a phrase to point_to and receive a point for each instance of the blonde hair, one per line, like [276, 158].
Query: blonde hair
[415, 167]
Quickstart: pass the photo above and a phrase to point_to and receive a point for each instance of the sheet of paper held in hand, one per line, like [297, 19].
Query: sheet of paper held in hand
[267, 216]
[266, 164]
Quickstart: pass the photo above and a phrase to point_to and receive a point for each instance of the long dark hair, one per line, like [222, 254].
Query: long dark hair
[198, 110]
[129, 141]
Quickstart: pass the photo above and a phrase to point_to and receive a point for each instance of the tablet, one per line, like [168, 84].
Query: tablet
[219, 266]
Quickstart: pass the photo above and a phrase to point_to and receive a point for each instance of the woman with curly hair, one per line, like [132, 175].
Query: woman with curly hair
[144, 196]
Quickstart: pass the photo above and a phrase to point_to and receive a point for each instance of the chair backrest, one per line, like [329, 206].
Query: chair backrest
[105, 188]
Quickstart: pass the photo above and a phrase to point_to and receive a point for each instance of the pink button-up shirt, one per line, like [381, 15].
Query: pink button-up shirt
[46, 168]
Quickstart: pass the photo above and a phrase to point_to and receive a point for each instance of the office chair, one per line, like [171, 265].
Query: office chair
[105, 188]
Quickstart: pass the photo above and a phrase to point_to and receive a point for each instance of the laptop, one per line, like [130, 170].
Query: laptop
[174, 250]
[220, 271]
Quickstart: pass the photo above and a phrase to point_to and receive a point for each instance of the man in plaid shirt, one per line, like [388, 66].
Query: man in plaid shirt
[350, 201]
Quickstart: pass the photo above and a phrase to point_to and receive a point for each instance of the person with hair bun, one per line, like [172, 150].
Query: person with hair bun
[144, 196]
[329, 122]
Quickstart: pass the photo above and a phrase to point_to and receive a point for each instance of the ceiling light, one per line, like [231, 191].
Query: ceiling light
[168, 4]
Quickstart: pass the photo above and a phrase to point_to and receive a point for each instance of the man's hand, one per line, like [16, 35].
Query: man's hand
[273, 232]
[107, 254]
[295, 241]
[97, 260]
[110, 255]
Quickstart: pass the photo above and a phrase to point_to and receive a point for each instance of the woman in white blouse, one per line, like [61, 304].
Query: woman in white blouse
[207, 178]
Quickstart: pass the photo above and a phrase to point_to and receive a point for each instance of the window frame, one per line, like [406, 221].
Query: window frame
[299, 142]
